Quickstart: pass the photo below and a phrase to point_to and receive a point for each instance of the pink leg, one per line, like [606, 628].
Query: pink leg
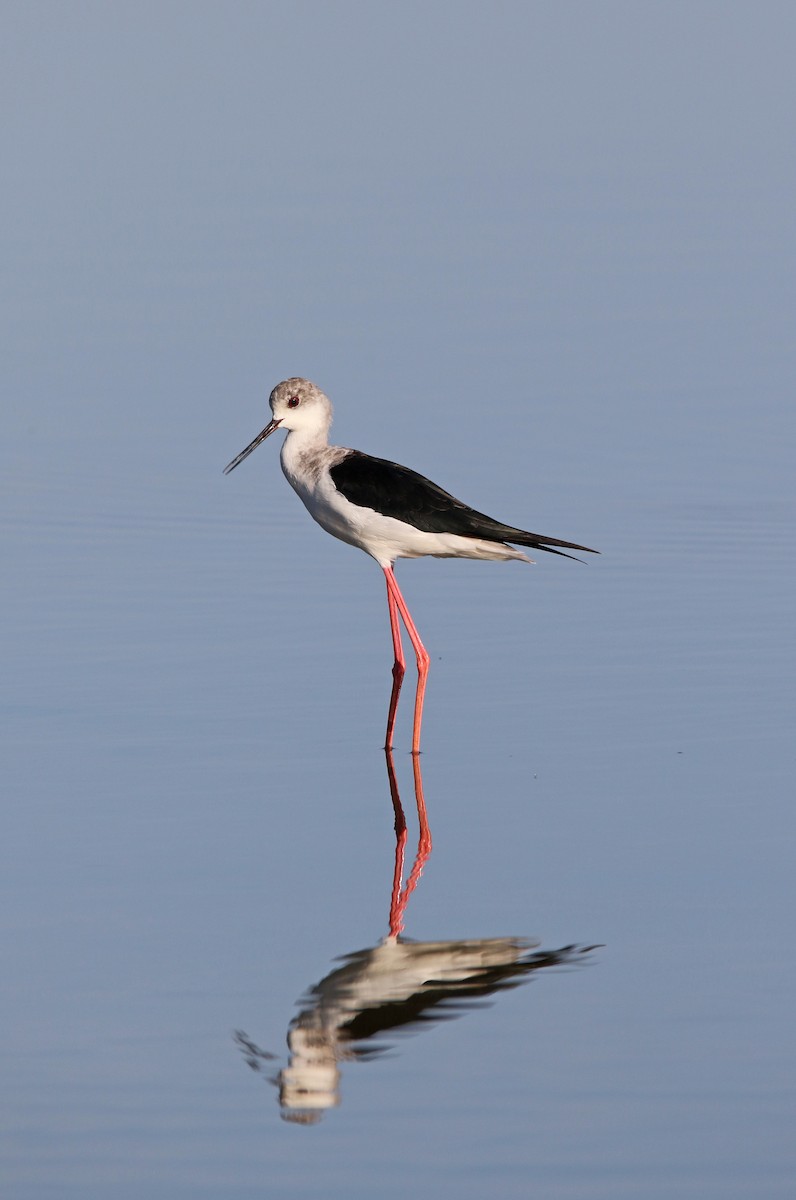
[396, 599]
[399, 666]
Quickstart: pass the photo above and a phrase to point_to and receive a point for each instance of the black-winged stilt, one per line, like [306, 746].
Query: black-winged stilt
[386, 510]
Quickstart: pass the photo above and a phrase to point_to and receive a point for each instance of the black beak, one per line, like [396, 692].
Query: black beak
[269, 429]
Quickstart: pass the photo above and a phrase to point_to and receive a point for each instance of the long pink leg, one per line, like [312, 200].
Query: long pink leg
[399, 666]
[423, 660]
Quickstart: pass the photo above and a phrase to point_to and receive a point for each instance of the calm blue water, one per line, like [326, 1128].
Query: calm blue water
[565, 295]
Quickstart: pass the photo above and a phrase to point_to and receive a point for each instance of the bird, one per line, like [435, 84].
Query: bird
[387, 510]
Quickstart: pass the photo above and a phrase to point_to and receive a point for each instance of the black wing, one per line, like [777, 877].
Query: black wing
[395, 491]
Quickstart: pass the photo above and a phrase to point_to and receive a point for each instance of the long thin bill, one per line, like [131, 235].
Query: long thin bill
[269, 429]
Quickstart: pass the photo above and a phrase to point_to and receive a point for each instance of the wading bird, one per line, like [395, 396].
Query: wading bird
[386, 510]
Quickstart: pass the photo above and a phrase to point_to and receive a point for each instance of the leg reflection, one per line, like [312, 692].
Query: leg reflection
[400, 896]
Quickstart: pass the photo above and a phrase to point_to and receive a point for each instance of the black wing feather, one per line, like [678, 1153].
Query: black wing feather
[396, 491]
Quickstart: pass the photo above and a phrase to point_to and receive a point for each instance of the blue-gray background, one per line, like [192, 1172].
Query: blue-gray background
[543, 253]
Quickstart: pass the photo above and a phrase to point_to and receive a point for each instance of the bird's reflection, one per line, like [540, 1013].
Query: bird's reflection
[398, 984]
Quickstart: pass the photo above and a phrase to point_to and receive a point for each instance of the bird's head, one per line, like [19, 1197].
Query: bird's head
[299, 404]
[296, 404]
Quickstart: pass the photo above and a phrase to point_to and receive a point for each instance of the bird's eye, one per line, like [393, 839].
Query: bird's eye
[293, 402]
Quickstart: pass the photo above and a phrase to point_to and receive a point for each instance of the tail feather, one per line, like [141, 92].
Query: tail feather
[537, 541]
